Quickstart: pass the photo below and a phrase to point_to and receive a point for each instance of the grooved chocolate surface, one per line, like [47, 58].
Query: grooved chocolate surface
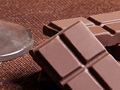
[107, 33]
[81, 45]
[59, 57]
[84, 81]
[114, 26]
[22, 73]
[104, 34]
[74, 74]
[105, 69]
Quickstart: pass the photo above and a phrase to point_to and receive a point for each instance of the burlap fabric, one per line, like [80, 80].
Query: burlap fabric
[22, 73]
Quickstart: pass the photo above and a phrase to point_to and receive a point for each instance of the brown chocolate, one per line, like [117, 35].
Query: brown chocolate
[56, 26]
[83, 81]
[107, 34]
[96, 30]
[109, 69]
[77, 37]
[103, 35]
[67, 22]
[113, 26]
[74, 58]
[58, 56]
[105, 18]
[111, 38]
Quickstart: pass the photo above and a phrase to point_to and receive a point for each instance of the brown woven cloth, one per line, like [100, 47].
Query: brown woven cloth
[22, 73]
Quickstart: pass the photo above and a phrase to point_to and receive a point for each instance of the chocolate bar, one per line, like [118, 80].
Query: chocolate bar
[76, 60]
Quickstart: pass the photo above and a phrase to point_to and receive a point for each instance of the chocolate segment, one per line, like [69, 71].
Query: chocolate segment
[55, 26]
[59, 57]
[109, 69]
[77, 36]
[83, 81]
[67, 22]
[114, 26]
[96, 30]
[110, 39]
[107, 34]
[105, 18]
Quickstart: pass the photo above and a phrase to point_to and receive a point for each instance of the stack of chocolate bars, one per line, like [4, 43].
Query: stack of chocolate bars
[75, 57]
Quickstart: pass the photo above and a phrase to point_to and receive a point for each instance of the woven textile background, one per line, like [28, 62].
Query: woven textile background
[22, 73]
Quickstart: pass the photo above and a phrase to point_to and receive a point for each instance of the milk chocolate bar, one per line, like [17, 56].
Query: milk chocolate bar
[76, 60]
